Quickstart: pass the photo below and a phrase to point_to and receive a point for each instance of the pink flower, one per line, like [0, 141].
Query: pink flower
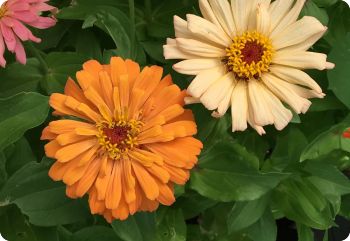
[14, 16]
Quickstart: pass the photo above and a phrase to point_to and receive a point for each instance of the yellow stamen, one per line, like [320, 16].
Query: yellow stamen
[249, 55]
[119, 136]
[3, 10]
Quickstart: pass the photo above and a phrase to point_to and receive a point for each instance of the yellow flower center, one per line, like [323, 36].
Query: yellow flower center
[119, 136]
[3, 10]
[249, 55]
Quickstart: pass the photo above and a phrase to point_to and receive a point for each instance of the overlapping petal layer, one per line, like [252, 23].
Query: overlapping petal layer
[249, 55]
[123, 137]
[14, 16]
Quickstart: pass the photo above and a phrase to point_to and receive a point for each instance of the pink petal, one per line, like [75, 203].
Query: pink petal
[9, 36]
[20, 53]
[2, 51]
[43, 22]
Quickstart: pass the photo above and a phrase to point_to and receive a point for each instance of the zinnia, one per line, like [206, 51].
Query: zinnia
[346, 134]
[14, 15]
[124, 138]
[249, 54]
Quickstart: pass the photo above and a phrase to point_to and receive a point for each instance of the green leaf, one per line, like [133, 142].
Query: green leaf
[61, 66]
[17, 155]
[304, 233]
[228, 156]
[192, 204]
[91, 48]
[3, 173]
[14, 227]
[244, 214]
[20, 113]
[229, 173]
[94, 233]
[234, 186]
[41, 199]
[340, 85]
[327, 142]
[127, 230]
[288, 149]
[303, 203]
[311, 9]
[17, 78]
[264, 229]
[171, 225]
[325, 3]
[140, 226]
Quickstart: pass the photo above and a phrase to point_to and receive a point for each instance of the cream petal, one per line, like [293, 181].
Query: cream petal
[283, 91]
[223, 105]
[215, 94]
[251, 121]
[204, 80]
[261, 111]
[171, 41]
[282, 116]
[223, 13]
[195, 47]
[306, 93]
[290, 18]
[208, 13]
[239, 106]
[206, 30]
[241, 12]
[301, 59]
[263, 20]
[252, 21]
[192, 100]
[295, 76]
[180, 27]
[298, 32]
[195, 66]
[173, 52]
[305, 45]
[279, 10]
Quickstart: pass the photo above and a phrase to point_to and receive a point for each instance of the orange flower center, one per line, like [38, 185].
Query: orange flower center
[3, 10]
[119, 136]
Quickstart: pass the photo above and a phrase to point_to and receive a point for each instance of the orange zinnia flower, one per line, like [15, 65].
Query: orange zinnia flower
[125, 138]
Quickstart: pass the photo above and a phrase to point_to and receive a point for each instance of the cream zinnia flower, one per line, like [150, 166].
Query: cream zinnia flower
[249, 54]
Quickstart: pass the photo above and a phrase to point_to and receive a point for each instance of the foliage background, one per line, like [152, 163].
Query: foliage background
[243, 182]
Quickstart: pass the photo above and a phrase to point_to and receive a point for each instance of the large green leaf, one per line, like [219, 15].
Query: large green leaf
[94, 233]
[304, 233]
[339, 76]
[244, 214]
[171, 225]
[229, 173]
[264, 229]
[20, 113]
[327, 142]
[302, 202]
[41, 199]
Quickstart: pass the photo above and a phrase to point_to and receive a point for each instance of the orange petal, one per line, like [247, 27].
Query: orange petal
[69, 138]
[107, 89]
[146, 181]
[128, 182]
[89, 177]
[166, 194]
[102, 181]
[52, 148]
[133, 69]
[114, 189]
[69, 152]
[118, 67]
